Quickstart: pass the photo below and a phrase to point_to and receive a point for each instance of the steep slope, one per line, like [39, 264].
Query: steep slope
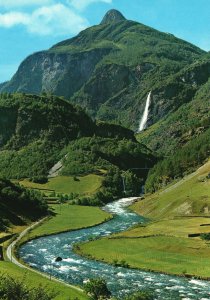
[183, 137]
[110, 68]
[190, 120]
[18, 205]
[189, 196]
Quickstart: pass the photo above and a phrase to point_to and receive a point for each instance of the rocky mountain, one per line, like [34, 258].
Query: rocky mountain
[110, 68]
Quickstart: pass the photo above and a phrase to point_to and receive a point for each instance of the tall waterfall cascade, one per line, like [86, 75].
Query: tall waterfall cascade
[144, 118]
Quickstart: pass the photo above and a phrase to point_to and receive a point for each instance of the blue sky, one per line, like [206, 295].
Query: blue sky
[27, 26]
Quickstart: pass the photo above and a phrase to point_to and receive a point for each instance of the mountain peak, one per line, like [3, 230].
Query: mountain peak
[112, 16]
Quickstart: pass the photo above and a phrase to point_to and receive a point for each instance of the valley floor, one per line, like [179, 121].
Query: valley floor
[163, 244]
[67, 217]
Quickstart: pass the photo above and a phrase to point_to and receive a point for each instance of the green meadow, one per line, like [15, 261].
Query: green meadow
[173, 255]
[189, 196]
[32, 279]
[88, 184]
[163, 244]
[70, 217]
[66, 217]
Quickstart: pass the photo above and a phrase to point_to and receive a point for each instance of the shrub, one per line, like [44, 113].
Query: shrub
[15, 289]
[205, 236]
[39, 179]
[97, 289]
[142, 295]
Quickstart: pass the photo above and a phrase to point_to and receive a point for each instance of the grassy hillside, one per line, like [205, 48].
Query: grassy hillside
[32, 279]
[84, 185]
[190, 196]
[164, 243]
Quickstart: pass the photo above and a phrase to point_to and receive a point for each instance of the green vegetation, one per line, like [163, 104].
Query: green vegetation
[65, 217]
[175, 241]
[38, 131]
[180, 163]
[18, 206]
[170, 254]
[205, 236]
[189, 196]
[33, 280]
[125, 60]
[97, 289]
[140, 296]
[88, 184]
[70, 217]
[182, 139]
[90, 154]
[33, 131]
[11, 287]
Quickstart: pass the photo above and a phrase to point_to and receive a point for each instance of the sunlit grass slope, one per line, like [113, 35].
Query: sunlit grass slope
[63, 184]
[163, 244]
[190, 196]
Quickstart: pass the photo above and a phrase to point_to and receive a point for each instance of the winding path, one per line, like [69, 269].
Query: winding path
[12, 258]
[75, 269]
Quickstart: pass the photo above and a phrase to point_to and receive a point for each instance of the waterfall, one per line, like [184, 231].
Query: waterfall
[144, 118]
[124, 190]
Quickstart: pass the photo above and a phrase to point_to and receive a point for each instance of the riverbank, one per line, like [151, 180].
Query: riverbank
[65, 218]
[157, 253]
[77, 269]
[164, 245]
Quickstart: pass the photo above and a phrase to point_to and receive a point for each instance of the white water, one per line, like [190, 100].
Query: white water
[144, 118]
[77, 270]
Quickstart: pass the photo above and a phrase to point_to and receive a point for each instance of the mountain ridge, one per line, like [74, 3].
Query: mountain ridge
[108, 69]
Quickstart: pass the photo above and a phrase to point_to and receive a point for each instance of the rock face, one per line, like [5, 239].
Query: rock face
[111, 16]
[110, 68]
[61, 74]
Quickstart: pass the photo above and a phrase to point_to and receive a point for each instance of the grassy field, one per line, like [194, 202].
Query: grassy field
[70, 217]
[190, 196]
[62, 184]
[67, 217]
[32, 279]
[173, 255]
[163, 244]
[178, 227]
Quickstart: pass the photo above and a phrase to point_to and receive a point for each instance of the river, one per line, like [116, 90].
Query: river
[41, 253]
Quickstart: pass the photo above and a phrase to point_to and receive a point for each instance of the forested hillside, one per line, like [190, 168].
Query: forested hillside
[18, 205]
[108, 69]
[38, 131]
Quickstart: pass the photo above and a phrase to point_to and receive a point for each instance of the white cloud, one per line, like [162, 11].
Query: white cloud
[21, 3]
[13, 18]
[82, 4]
[48, 20]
